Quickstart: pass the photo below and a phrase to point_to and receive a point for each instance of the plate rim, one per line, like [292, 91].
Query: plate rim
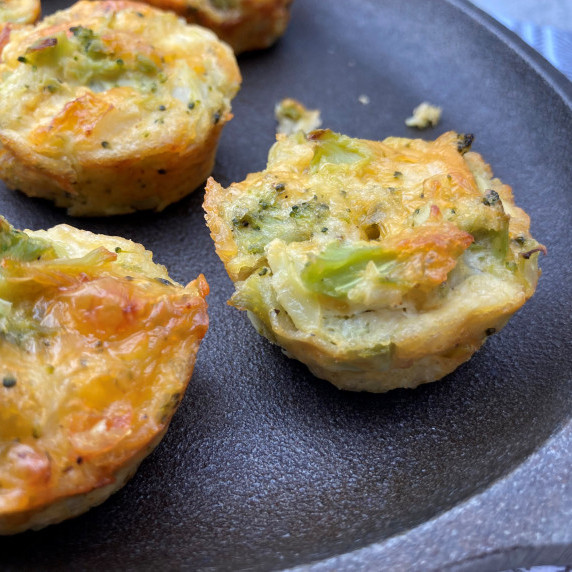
[416, 548]
[422, 547]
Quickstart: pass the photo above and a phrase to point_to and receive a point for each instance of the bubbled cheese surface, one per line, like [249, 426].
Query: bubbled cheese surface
[378, 264]
[110, 107]
[97, 345]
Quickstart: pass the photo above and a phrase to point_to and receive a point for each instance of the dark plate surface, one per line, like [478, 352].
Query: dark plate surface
[266, 467]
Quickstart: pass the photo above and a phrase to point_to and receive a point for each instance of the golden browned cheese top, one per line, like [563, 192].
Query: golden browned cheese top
[97, 345]
[112, 106]
[327, 188]
[379, 264]
[112, 80]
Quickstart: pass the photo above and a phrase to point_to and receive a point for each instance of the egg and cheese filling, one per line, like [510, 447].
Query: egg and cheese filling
[365, 256]
[97, 345]
[112, 106]
[111, 80]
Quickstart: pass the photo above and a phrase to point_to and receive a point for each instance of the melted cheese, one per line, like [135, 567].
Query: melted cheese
[97, 345]
[110, 107]
[379, 264]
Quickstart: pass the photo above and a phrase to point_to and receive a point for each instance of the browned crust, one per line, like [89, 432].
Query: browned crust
[79, 503]
[115, 186]
[61, 157]
[96, 398]
[253, 25]
[427, 331]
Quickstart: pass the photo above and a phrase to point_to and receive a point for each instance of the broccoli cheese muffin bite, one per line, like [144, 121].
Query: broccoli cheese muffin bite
[97, 345]
[244, 24]
[19, 11]
[378, 264]
[110, 107]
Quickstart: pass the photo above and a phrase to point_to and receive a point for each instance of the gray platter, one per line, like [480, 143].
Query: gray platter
[266, 467]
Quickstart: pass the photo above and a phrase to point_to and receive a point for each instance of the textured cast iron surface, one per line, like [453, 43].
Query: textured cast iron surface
[265, 466]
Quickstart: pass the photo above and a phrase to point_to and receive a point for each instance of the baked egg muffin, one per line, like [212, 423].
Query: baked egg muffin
[244, 24]
[97, 345]
[19, 11]
[111, 107]
[377, 264]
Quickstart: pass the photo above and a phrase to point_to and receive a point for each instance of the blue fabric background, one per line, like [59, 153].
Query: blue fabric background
[553, 43]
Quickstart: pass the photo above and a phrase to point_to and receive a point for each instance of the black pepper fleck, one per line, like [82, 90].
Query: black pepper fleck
[9, 381]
